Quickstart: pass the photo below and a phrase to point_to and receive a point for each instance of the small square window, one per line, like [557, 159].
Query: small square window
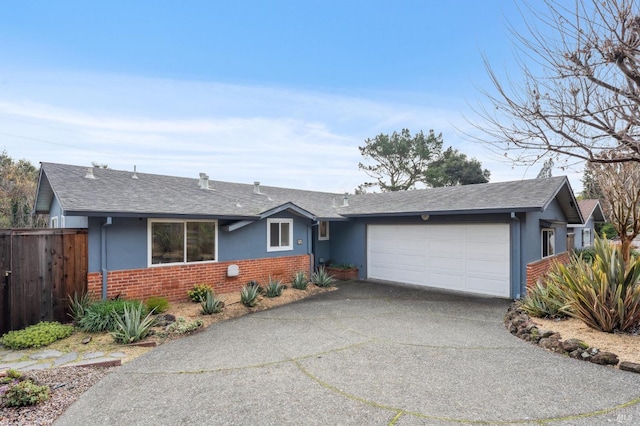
[279, 234]
[323, 230]
[548, 242]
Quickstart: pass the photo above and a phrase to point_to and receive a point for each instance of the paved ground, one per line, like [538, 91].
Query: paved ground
[366, 354]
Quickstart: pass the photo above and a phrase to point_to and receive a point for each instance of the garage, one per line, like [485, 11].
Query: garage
[472, 258]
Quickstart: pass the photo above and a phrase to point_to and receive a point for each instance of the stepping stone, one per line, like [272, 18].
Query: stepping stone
[96, 362]
[17, 365]
[39, 366]
[92, 355]
[13, 356]
[118, 355]
[69, 357]
[50, 353]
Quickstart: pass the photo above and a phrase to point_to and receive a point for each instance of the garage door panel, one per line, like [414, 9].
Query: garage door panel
[466, 257]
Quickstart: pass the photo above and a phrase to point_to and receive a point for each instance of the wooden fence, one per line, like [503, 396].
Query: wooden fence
[40, 268]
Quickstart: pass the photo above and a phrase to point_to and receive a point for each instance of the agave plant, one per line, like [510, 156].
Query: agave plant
[300, 281]
[211, 304]
[132, 327]
[605, 293]
[273, 288]
[321, 278]
[249, 295]
[78, 304]
[544, 300]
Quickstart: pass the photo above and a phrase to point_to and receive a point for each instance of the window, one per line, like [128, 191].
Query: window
[279, 234]
[323, 230]
[586, 237]
[548, 242]
[168, 239]
[54, 222]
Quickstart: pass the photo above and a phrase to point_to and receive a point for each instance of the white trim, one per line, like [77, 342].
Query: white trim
[150, 223]
[320, 237]
[288, 247]
[53, 222]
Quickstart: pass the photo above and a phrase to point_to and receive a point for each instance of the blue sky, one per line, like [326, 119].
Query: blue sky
[281, 91]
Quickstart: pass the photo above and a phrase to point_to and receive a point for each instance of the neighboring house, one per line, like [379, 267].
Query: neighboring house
[583, 234]
[160, 235]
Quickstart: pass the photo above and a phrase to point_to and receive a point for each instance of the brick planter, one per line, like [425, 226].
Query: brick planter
[343, 274]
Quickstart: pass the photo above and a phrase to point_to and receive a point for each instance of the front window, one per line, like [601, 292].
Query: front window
[548, 242]
[323, 230]
[586, 237]
[279, 234]
[170, 238]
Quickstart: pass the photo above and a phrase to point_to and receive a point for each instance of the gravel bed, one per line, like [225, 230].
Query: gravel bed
[67, 384]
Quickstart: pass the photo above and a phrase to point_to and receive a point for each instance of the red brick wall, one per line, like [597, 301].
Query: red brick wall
[538, 269]
[174, 281]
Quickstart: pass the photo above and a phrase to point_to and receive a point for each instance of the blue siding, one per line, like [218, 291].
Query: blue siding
[348, 242]
[127, 242]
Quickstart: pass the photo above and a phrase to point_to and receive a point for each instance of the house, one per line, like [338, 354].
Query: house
[159, 235]
[583, 234]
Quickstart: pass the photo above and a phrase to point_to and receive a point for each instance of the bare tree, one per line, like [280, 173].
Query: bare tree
[620, 184]
[580, 97]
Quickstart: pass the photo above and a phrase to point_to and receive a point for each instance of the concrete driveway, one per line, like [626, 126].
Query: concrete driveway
[366, 354]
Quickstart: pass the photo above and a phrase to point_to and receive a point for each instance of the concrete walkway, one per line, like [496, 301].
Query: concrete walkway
[367, 354]
[48, 358]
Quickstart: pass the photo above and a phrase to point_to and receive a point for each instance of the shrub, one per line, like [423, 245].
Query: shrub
[300, 281]
[78, 305]
[24, 393]
[35, 336]
[198, 292]
[604, 294]
[211, 304]
[255, 284]
[274, 288]
[181, 326]
[544, 300]
[344, 266]
[157, 304]
[131, 326]
[249, 295]
[587, 254]
[321, 278]
[101, 316]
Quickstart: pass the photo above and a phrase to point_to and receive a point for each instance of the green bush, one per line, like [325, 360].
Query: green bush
[321, 278]
[249, 295]
[25, 393]
[587, 254]
[608, 231]
[101, 316]
[544, 301]
[300, 281]
[157, 304]
[274, 288]
[35, 336]
[78, 304]
[181, 326]
[211, 304]
[133, 325]
[604, 294]
[199, 292]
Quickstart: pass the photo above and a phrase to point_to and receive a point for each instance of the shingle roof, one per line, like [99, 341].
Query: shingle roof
[115, 192]
[591, 207]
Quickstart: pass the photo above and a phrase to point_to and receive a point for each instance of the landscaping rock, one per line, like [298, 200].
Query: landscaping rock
[571, 345]
[630, 366]
[605, 358]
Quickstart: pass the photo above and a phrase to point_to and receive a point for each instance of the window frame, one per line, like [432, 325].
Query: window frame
[54, 222]
[326, 236]
[548, 239]
[280, 221]
[185, 236]
[587, 232]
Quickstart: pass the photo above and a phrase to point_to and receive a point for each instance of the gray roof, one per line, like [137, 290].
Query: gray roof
[115, 192]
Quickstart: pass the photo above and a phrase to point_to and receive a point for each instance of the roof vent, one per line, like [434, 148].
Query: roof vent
[134, 176]
[345, 200]
[204, 181]
[256, 187]
[89, 174]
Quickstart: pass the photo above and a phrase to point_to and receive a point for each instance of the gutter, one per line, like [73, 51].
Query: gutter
[103, 256]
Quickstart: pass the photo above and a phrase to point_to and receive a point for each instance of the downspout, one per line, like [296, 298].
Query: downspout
[310, 243]
[516, 256]
[103, 257]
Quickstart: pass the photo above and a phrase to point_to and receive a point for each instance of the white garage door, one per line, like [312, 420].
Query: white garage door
[472, 258]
